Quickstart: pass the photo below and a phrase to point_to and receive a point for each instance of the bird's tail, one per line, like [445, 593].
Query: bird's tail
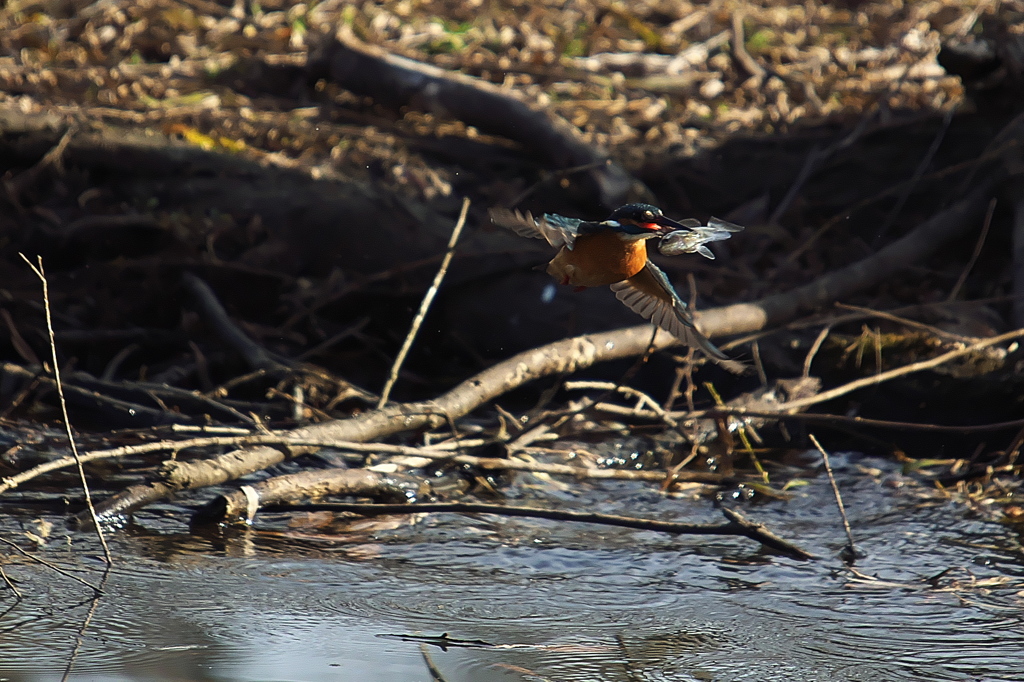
[693, 337]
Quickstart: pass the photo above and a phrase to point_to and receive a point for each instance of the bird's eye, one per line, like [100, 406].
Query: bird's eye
[649, 214]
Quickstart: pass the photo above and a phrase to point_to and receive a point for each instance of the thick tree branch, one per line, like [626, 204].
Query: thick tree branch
[397, 81]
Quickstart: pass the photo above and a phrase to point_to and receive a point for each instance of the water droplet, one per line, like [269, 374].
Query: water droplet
[548, 293]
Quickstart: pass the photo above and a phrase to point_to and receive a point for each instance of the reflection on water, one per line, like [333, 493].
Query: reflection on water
[555, 601]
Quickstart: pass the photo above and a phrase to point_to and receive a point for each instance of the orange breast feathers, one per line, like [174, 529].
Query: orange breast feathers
[599, 259]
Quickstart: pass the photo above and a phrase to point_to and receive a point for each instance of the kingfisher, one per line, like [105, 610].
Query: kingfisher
[613, 252]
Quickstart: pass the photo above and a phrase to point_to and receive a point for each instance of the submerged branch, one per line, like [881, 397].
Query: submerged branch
[737, 524]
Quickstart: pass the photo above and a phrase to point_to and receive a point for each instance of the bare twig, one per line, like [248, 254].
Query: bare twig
[739, 51]
[37, 268]
[755, 350]
[814, 157]
[556, 175]
[674, 390]
[916, 177]
[916, 245]
[333, 297]
[497, 464]
[610, 388]
[889, 191]
[95, 399]
[318, 483]
[624, 390]
[897, 372]
[977, 252]
[53, 158]
[815, 347]
[214, 313]
[853, 421]
[435, 673]
[691, 389]
[931, 329]
[80, 637]
[428, 298]
[839, 498]
[172, 445]
[440, 451]
[17, 340]
[10, 584]
[51, 566]
[1013, 449]
[351, 330]
[1017, 260]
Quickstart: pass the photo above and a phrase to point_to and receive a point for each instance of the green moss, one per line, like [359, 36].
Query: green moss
[446, 44]
[574, 48]
[453, 39]
[762, 40]
[457, 27]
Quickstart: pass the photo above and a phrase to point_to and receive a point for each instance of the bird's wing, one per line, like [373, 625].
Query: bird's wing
[568, 228]
[649, 294]
[556, 230]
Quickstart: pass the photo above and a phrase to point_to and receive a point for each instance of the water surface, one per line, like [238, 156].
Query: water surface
[537, 600]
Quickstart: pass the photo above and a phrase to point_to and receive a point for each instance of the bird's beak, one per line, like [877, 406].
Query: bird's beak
[667, 225]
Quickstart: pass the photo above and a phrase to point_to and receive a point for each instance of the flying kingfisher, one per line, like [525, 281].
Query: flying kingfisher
[614, 252]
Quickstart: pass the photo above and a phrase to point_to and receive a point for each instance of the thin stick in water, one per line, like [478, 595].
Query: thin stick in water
[53, 567]
[428, 298]
[839, 499]
[10, 584]
[80, 637]
[41, 274]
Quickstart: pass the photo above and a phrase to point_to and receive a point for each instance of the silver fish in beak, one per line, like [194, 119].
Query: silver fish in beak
[693, 239]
